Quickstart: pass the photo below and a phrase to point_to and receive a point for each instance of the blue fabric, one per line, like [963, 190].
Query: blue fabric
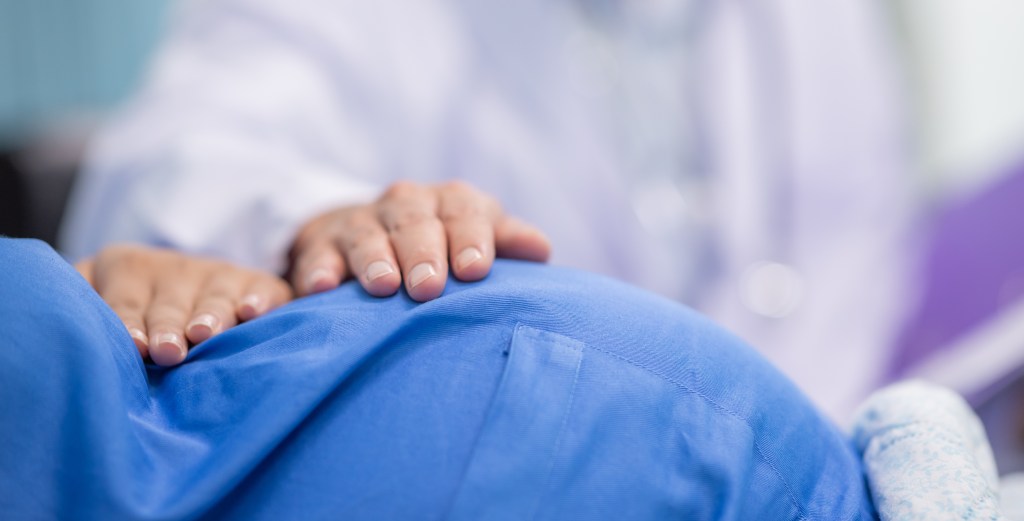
[540, 393]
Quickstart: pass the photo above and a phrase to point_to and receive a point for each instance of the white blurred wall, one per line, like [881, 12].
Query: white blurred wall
[967, 68]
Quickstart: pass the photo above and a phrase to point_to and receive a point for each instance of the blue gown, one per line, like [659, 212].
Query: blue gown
[540, 393]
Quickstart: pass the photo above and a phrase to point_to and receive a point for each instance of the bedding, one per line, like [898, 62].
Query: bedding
[926, 456]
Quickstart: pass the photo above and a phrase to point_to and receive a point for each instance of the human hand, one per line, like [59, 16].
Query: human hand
[413, 233]
[167, 299]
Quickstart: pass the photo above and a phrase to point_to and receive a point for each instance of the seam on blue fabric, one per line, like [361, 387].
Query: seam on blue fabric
[559, 355]
[565, 416]
[464, 474]
[801, 512]
[545, 335]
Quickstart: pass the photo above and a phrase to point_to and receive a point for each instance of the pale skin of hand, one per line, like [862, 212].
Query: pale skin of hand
[412, 233]
[168, 300]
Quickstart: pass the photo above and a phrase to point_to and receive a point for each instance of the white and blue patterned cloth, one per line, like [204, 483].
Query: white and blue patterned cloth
[926, 456]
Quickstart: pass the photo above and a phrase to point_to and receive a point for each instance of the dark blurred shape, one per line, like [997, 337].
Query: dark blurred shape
[12, 198]
[34, 188]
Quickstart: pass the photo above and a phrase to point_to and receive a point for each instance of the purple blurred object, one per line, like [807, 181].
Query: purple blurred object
[973, 269]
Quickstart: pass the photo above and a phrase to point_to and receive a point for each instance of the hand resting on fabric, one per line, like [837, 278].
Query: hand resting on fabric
[168, 300]
[413, 232]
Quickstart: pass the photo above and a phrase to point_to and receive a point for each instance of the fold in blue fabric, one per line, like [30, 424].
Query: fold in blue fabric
[539, 393]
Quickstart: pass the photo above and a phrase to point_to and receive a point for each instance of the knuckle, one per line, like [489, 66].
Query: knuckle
[401, 189]
[126, 305]
[361, 237]
[164, 313]
[463, 210]
[357, 220]
[181, 264]
[405, 219]
[305, 238]
[323, 228]
[422, 252]
[121, 258]
[312, 254]
[217, 299]
[459, 187]
[365, 217]
[226, 278]
[133, 323]
[219, 268]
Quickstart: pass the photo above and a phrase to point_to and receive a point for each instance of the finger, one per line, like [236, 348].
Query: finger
[367, 249]
[263, 293]
[514, 239]
[214, 309]
[409, 213]
[319, 266]
[85, 269]
[169, 312]
[128, 294]
[468, 217]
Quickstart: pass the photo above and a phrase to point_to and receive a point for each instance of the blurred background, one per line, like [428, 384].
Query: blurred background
[64, 64]
[966, 71]
[67, 64]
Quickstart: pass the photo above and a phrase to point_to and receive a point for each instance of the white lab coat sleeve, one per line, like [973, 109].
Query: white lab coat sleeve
[235, 141]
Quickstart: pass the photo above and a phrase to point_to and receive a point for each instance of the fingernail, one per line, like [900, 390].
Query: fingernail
[319, 280]
[378, 269]
[169, 349]
[138, 336]
[467, 257]
[420, 273]
[206, 321]
[252, 306]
